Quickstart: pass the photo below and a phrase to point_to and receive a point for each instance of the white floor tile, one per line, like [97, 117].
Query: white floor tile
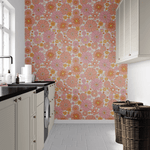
[82, 137]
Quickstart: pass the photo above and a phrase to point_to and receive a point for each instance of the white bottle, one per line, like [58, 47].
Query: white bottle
[8, 78]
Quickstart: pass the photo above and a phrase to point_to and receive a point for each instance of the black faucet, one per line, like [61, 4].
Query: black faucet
[8, 57]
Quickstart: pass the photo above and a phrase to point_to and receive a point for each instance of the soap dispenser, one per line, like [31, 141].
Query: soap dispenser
[8, 78]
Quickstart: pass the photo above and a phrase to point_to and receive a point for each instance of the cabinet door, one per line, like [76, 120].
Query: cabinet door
[23, 117]
[51, 123]
[117, 35]
[51, 114]
[53, 90]
[127, 28]
[50, 91]
[52, 106]
[122, 31]
[7, 125]
[40, 127]
[134, 27]
[33, 131]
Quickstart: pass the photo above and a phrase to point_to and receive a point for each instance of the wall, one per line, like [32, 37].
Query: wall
[73, 43]
[19, 33]
[139, 82]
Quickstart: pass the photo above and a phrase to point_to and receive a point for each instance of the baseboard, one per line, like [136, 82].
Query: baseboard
[83, 121]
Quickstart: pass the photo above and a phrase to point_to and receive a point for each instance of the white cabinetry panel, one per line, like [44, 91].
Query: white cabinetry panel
[127, 28]
[40, 127]
[52, 103]
[7, 125]
[117, 34]
[23, 124]
[132, 31]
[122, 30]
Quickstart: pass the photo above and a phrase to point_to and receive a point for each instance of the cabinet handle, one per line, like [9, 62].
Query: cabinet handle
[34, 116]
[34, 141]
[50, 116]
[52, 113]
[19, 98]
[15, 100]
[118, 58]
[129, 54]
[50, 101]
[34, 92]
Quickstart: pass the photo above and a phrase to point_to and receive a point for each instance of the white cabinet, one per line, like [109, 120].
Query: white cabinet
[132, 31]
[7, 125]
[23, 121]
[51, 89]
[23, 126]
[40, 120]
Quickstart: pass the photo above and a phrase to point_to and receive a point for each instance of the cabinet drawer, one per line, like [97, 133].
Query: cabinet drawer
[40, 98]
[51, 91]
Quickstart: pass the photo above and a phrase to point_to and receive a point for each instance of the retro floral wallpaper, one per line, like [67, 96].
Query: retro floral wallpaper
[73, 42]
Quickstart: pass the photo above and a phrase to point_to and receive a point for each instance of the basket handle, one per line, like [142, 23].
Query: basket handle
[136, 106]
[128, 102]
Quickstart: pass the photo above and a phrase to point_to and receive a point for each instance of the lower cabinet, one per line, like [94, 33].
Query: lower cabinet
[40, 125]
[22, 122]
[25, 121]
[23, 126]
[33, 122]
[52, 103]
[7, 125]
[39, 101]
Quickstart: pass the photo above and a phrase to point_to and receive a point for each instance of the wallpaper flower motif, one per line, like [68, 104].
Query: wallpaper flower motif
[73, 42]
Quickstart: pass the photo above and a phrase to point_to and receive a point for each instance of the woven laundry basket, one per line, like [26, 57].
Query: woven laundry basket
[135, 122]
[116, 109]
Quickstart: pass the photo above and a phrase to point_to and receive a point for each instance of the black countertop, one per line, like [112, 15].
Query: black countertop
[36, 83]
[16, 89]
[8, 92]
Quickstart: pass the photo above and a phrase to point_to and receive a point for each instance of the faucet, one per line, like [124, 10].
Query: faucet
[8, 57]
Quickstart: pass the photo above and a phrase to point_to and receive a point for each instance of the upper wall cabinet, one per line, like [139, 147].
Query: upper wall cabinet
[133, 31]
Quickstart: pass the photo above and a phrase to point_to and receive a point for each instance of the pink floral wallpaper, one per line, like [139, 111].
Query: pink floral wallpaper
[74, 43]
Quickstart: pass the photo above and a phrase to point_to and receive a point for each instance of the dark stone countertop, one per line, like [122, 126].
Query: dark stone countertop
[8, 92]
[36, 83]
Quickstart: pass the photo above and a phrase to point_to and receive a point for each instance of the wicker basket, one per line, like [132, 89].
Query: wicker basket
[135, 122]
[116, 108]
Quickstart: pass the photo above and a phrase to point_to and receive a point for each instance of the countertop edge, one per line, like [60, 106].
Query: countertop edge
[5, 97]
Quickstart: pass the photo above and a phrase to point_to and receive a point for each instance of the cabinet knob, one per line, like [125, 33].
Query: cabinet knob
[34, 92]
[34, 116]
[34, 141]
[118, 58]
[15, 100]
[129, 54]
[19, 98]
[50, 101]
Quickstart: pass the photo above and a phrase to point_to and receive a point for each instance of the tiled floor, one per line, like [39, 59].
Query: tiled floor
[82, 137]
